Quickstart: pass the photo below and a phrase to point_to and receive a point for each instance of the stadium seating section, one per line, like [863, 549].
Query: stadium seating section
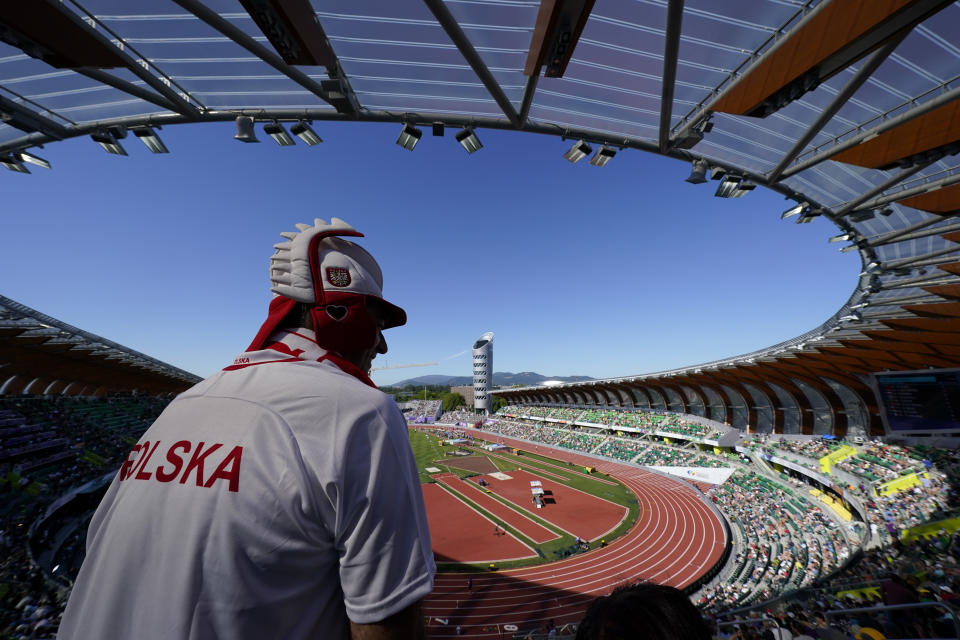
[790, 539]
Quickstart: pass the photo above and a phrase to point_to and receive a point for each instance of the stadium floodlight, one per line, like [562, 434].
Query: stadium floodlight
[245, 132]
[13, 163]
[603, 156]
[149, 137]
[578, 151]
[856, 316]
[885, 212]
[728, 187]
[306, 134]
[743, 188]
[409, 137]
[698, 173]
[438, 129]
[279, 134]
[843, 237]
[861, 216]
[109, 140]
[469, 140]
[24, 156]
[795, 210]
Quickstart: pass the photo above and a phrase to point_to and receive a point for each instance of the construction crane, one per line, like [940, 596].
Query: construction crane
[405, 366]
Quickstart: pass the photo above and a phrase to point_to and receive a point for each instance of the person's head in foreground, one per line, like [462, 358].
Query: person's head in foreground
[332, 287]
[643, 611]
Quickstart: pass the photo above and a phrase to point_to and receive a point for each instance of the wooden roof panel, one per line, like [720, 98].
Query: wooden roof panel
[832, 30]
[929, 131]
[941, 201]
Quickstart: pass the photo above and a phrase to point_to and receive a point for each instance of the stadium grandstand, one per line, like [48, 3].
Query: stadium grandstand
[820, 473]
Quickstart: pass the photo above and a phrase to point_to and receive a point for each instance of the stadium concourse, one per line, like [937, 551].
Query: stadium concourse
[849, 109]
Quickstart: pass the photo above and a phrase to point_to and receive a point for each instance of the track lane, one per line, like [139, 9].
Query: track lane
[677, 538]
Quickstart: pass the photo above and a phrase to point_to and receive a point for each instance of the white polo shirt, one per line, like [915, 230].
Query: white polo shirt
[275, 499]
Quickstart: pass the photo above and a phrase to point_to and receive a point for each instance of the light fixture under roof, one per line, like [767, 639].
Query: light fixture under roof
[409, 137]
[843, 237]
[109, 140]
[603, 156]
[578, 151]
[149, 137]
[861, 216]
[795, 210]
[306, 133]
[728, 187]
[698, 172]
[279, 134]
[245, 132]
[25, 156]
[743, 188]
[13, 163]
[469, 140]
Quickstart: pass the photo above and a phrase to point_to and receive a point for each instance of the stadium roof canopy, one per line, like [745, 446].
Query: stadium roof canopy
[849, 108]
[42, 355]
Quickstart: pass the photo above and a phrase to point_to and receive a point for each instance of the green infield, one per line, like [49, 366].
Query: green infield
[429, 452]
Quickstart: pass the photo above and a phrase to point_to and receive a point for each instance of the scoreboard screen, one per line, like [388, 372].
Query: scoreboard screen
[926, 401]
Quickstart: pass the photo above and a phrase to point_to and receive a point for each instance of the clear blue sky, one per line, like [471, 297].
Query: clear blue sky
[579, 270]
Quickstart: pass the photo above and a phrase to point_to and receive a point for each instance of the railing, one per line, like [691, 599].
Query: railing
[952, 611]
[739, 621]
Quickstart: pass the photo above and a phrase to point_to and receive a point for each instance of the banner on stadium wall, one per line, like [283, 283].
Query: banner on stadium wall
[903, 482]
[950, 526]
[700, 474]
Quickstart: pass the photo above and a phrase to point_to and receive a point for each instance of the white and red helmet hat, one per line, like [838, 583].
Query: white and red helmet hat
[336, 277]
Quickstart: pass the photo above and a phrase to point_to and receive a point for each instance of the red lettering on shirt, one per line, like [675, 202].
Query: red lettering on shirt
[232, 475]
[135, 466]
[140, 474]
[175, 460]
[125, 468]
[196, 462]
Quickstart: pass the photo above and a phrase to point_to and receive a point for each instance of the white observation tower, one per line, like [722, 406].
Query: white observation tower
[482, 371]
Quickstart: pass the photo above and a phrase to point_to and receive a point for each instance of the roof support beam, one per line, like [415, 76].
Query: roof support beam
[181, 104]
[886, 125]
[697, 113]
[880, 188]
[861, 76]
[912, 191]
[528, 91]
[459, 38]
[670, 50]
[913, 232]
[20, 117]
[923, 260]
[128, 88]
[213, 19]
[936, 279]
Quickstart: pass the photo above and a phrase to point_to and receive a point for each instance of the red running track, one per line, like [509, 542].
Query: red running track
[458, 533]
[518, 521]
[677, 538]
[577, 513]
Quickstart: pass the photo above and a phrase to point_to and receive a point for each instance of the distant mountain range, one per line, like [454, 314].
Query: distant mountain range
[500, 379]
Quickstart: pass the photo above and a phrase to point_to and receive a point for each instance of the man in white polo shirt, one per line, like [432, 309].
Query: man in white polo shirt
[278, 498]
